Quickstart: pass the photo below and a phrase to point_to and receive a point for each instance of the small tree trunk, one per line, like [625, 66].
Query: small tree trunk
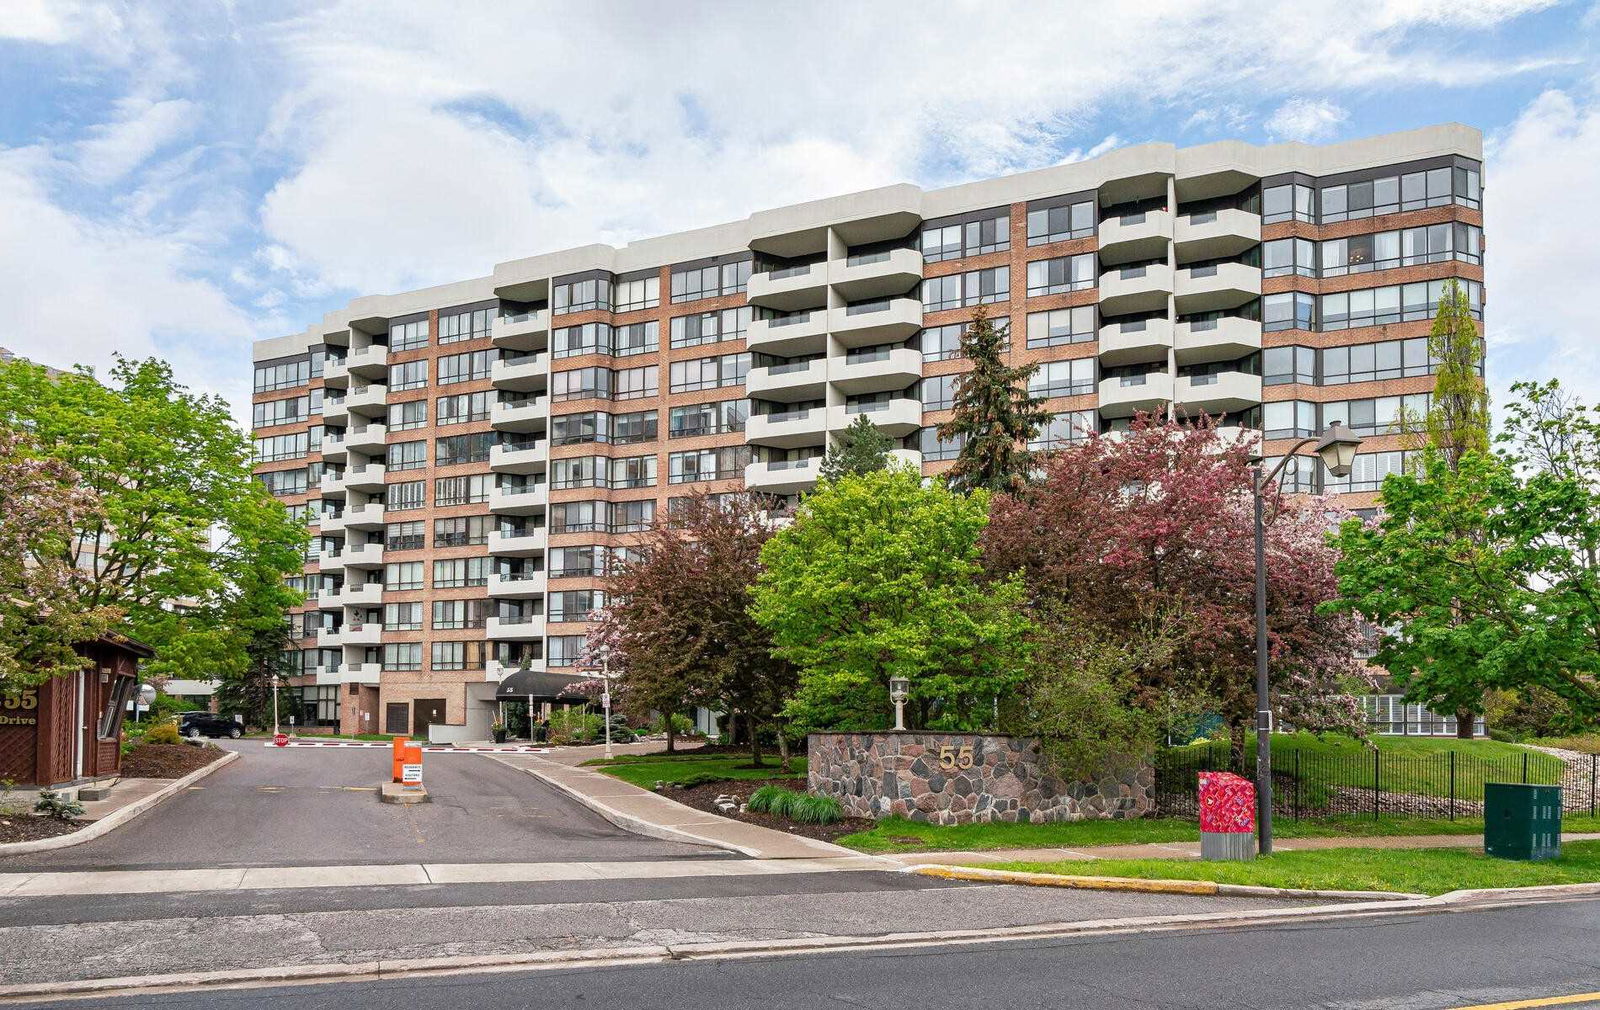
[783, 751]
[671, 736]
[731, 728]
[1236, 744]
[1464, 720]
[755, 741]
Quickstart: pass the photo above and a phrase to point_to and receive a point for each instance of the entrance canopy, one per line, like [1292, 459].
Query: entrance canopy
[540, 685]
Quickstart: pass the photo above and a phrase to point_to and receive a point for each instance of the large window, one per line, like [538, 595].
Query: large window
[635, 383]
[1407, 247]
[1284, 256]
[411, 414]
[458, 615]
[1389, 194]
[577, 517]
[402, 617]
[564, 650]
[455, 449]
[1289, 419]
[1288, 310]
[635, 338]
[971, 235]
[1061, 326]
[1388, 359]
[577, 562]
[577, 429]
[939, 392]
[411, 494]
[583, 295]
[637, 426]
[976, 287]
[1060, 275]
[571, 341]
[408, 375]
[715, 418]
[941, 343]
[462, 531]
[290, 411]
[1064, 429]
[1289, 202]
[633, 471]
[402, 575]
[403, 656]
[278, 447]
[282, 482]
[632, 516]
[472, 324]
[461, 490]
[690, 283]
[710, 327]
[408, 336]
[406, 536]
[573, 604]
[1392, 304]
[1060, 222]
[463, 407]
[580, 384]
[461, 573]
[639, 293]
[1381, 415]
[1284, 365]
[709, 373]
[1063, 378]
[283, 375]
[458, 656]
[466, 367]
[578, 471]
[708, 464]
[407, 455]
[935, 449]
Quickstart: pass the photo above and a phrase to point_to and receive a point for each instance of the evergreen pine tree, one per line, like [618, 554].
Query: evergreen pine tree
[993, 412]
[859, 449]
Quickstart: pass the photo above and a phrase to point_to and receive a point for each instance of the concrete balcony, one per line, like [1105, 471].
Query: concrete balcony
[521, 331]
[784, 476]
[350, 673]
[371, 438]
[528, 628]
[333, 446]
[371, 400]
[1126, 343]
[334, 410]
[791, 383]
[1135, 236]
[878, 275]
[525, 502]
[528, 543]
[369, 362]
[790, 336]
[891, 368]
[523, 374]
[329, 524]
[1135, 289]
[1215, 394]
[332, 484]
[1216, 339]
[1217, 286]
[905, 457]
[364, 517]
[368, 477]
[522, 416]
[1216, 234]
[889, 321]
[335, 372]
[896, 418]
[527, 584]
[362, 556]
[791, 288]
[369, 595]
[330, 638]
[520, 457]
[790, 429]
[1125, 397]
[370, 633]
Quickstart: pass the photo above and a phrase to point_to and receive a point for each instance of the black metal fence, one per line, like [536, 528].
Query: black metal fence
[1373, 783]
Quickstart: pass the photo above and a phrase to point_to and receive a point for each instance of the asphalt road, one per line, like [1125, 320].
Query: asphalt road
[316, 806]
[1427, 962]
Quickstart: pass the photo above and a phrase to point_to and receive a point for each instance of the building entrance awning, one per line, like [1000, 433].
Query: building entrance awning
[540, 685]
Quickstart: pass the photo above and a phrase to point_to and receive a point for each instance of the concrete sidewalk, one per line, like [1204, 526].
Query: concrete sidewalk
[649, 813]
[1191, 850]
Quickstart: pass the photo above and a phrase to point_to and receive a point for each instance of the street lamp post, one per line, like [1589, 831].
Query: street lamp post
[605, 694]
[274, 705]
[1337, 447]
[899, 691]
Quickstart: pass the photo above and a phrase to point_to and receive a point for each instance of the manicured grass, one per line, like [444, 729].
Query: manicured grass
[897, 835]
[686, 769]
[1419, 765]
[1420, 871]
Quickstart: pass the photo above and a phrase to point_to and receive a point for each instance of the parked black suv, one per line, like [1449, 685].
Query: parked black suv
[195, 725]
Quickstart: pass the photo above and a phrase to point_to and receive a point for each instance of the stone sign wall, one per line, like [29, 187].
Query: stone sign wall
[963, 778]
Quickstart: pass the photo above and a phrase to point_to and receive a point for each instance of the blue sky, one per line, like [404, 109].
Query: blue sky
[182, 178]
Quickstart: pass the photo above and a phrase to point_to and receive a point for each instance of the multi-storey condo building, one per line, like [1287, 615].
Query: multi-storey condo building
[471, 455]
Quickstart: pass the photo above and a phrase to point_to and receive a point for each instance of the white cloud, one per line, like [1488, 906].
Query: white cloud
[1306, 119]
[1542, 233]
[142, 128]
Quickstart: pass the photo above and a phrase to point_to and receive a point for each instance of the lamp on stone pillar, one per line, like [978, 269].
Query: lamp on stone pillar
[899, 691]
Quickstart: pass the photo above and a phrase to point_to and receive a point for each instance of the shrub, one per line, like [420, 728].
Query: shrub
[57, 805]
[815, 809]
[762, 799]
[682, 725]
[163, 732]
[573, 725]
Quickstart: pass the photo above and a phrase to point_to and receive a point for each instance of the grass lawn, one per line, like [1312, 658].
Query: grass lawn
[896, 835]
[1406, 764]
[687, 769]
[1422, 871]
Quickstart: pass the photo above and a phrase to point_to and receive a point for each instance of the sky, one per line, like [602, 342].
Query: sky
[178, 179]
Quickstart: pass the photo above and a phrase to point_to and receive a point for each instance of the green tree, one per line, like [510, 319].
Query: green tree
[879, 577]
[42, 506]
[993, 413]
[1479, 576]
[182, 517]
[859, 448]
[1458, 418]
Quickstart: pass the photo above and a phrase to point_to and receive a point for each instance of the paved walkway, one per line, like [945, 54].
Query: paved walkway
[1191, 850]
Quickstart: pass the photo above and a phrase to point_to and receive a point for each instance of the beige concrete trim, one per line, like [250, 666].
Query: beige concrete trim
[117, 818]
[1150, 885]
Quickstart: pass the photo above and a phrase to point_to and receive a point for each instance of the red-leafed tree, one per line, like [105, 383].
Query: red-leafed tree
[1158, 522]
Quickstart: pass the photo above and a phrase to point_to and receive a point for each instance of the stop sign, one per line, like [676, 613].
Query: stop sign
[281, 740]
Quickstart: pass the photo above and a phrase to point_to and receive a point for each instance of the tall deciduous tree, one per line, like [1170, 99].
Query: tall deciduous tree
[181, 515]
[993, 412]
[860, 448]
[879, 577]
[43, 505]
[1458, 418]
[1121, 532]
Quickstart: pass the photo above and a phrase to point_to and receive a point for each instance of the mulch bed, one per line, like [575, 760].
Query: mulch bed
[703, 797]
[167, 760]
[27, 827]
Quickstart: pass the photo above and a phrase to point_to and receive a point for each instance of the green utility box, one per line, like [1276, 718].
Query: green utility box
[1521, 822]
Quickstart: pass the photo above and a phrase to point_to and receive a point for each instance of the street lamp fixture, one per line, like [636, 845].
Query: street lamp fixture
[899, 691]
[1337, 447]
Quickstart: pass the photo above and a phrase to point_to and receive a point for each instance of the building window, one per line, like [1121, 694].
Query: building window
[632, 516]
[280, 447]
[453, 368]
[458, 615]
[406, 536]
[1288, 310]
[461, 490]
[638, 426]
[976, 287]
[718, 417]
[564, 650]
[1062, 326]
[941, 343]
[1381, 415]
[708, 373]
[1392, 304]
[284, 482]
[577, 517]
[1061, 222]
[407, 455]
[408, 336]
[934, 449]
[273, 412]
[1063, 378]
[408, 375]
[939, 392]
[1285, 256]
[1292, 202]
[1065, 429]
[580, 384]
[708, 464]
[1284, 365]
[711, 281]
[571, 341]
[633, 471]
[578, 471]
[461, 531]
[1062, 274]
[408, 415]
[402, 656]
[583, 295]
[453, 450]
[283, 375]
[1388, 359]
[639, 293]
[463, 407]
[402, 617]
[972, 235]
[402, 575]
[457, 656]
[710, 327]
[411, 494]
[461, 573]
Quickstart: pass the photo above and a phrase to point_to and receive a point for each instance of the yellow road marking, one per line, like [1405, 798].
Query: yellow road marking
[1521, 1004]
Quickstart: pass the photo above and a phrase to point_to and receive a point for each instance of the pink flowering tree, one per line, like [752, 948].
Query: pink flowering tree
[1154, 527]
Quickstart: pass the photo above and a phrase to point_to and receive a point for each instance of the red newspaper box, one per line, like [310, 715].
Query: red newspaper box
[1227, 816]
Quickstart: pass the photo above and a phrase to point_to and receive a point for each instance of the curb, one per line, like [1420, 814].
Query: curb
[117, 818]
[640, 826]
[655, 954]
[1208, 888]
